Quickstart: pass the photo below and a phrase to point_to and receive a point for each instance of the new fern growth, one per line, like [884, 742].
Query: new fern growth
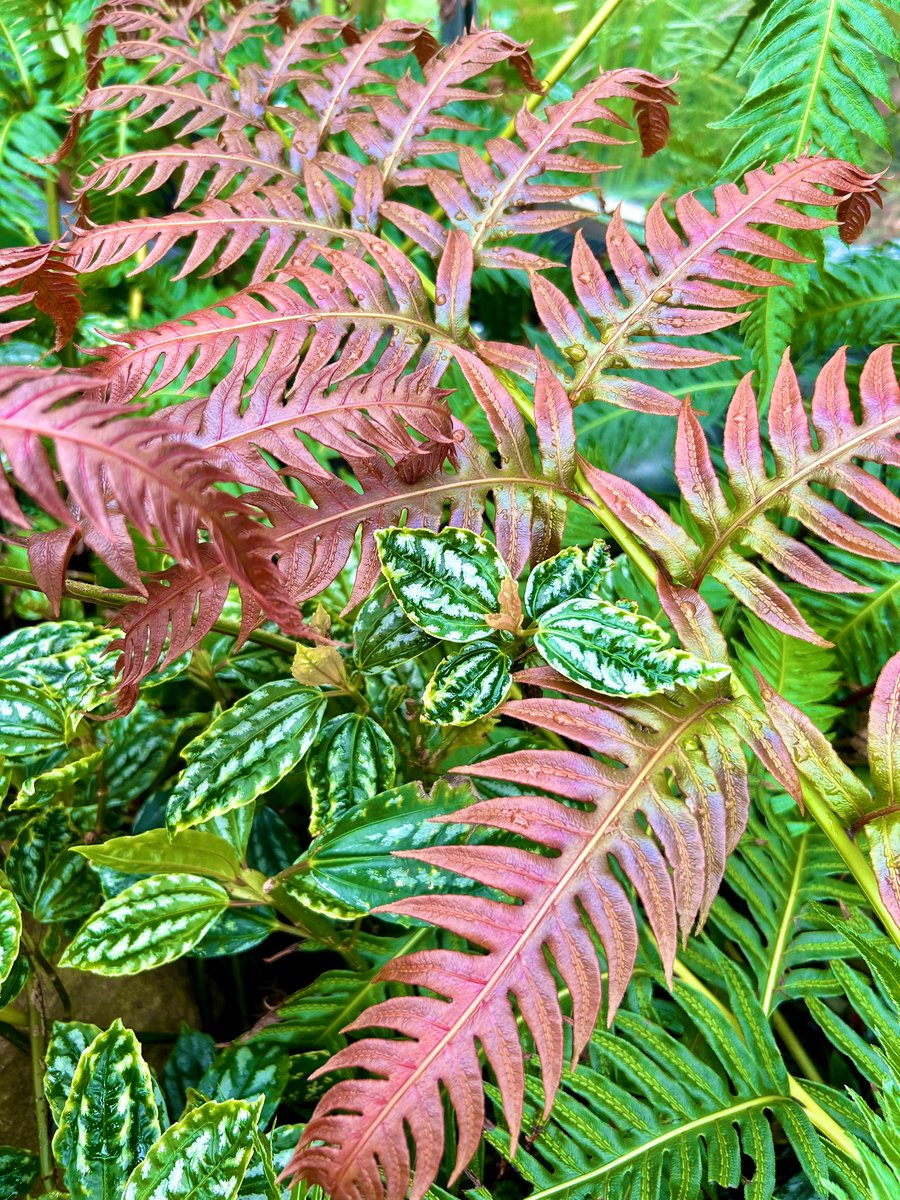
[462, 699]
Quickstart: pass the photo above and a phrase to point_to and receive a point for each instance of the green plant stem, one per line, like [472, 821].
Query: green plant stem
[37, 1032]
[51, 195]
[93, 593]
[795, 1047]
[569, 56]
[851, 855]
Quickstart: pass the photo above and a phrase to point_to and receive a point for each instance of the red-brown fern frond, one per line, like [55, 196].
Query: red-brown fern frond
[228, 229]
[45, 277]
[685, 283]
[393, 130]
[504, 198]
[666, 800]
[841, 441]
[109, 467]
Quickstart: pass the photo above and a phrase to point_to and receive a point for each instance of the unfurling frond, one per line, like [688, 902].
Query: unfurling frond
[363, 1134]
[744, 521]
[677, 288]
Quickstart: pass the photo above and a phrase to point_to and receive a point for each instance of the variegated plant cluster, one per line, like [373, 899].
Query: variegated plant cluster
[354, 520]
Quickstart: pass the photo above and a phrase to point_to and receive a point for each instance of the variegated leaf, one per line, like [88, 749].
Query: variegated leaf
[353, 759]
[33, 720]
[38, 789]
[209, 1147]
[110, 1118]
[352, 868]
[152, 922]
[67, 1042]
[467, 686]
[245, 752]
[384, 636]
[615, 651]
[250, 1071]
[447, 583]
[10, 930]
[570, 575]
[18, 1171]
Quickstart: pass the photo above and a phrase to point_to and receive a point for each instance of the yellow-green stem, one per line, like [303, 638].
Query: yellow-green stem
[569, 56]
[92, 593]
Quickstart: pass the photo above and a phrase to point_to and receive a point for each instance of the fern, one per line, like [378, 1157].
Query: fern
[677, 291]
[815, 76]
[797, 464]
[664, 1115]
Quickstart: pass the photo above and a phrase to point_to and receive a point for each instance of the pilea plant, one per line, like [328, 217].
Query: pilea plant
[423, 556]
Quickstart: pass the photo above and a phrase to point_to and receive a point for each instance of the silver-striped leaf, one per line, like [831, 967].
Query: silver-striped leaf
[248, 1071]
[110, 1119]
[68, 1041]
[10, 930]
[18, 1171]
[152, 922]
[204, 1154]
[447, 583]
[245, 752]
[33, 720]
[352, 867]
[467, 686]
[384, 636]
[572, 574]
[353, 759]
[615, 651]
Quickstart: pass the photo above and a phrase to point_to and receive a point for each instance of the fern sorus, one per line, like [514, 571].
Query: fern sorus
[448, 532]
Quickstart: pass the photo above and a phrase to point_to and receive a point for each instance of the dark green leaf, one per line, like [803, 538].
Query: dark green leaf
[208, 1148]
[150, 923]
[615, 651]
[570, 575]
[18, 1170]
[384, 636]
[110, 1118]
[447, 583]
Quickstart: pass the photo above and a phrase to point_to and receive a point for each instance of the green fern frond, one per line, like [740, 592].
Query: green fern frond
[657, 1114]
[863, 626]
[781, 884]
[816, 77]
[854, 302]
[806, 675]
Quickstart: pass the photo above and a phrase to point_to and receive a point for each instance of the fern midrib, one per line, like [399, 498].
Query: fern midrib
[315, 316]
[449, 487]
[448, 65]
[729, 1114]
[784, 927]
[526, 167]
[786, 483]
[542, 910]
[866, 610]
[635, 314]
[818, 71]
[201, 101]
[183, 153]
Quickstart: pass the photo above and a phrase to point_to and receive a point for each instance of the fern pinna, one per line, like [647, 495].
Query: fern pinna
[302, 426]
